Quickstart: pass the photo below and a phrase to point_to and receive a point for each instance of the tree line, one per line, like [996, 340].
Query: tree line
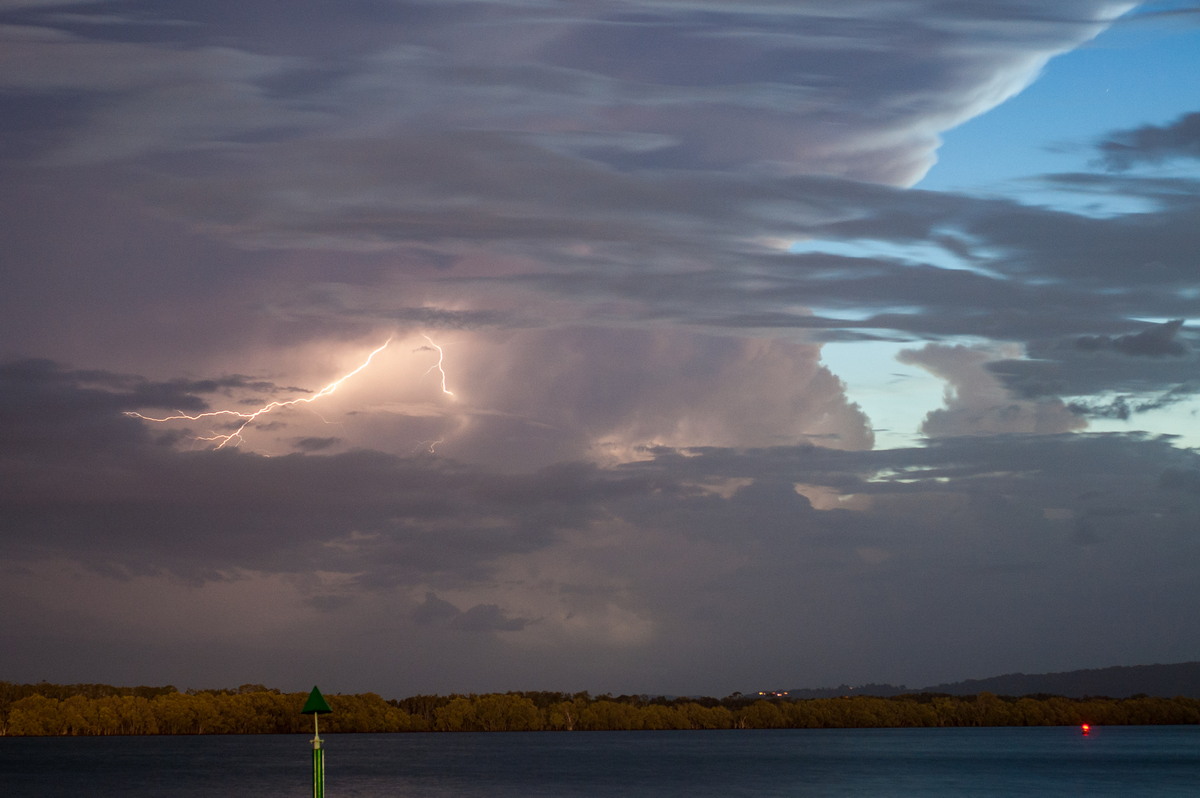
[57, 710]
[87, 710]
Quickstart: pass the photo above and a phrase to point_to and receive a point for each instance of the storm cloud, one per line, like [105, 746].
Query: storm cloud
[490, 344]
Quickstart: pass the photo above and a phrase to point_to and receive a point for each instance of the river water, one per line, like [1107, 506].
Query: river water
[1010, 762]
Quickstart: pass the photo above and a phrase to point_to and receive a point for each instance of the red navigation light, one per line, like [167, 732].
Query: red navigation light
[1085, 728]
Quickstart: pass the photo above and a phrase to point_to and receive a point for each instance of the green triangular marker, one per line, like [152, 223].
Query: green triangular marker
[315, 704]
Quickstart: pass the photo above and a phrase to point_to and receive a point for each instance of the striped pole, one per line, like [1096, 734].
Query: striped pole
[318, 762]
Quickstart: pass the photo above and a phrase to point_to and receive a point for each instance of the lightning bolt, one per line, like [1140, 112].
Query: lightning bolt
[235, 437]
[438, 364]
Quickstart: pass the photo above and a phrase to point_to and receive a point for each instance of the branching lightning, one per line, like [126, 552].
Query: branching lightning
[235, 437]
[438, 364]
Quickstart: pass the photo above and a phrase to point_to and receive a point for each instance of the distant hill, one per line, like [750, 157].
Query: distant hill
[882, 690]
[1166, 681]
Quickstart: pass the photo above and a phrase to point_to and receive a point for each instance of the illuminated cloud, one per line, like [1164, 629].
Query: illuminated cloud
[976, 401]
[645, 388]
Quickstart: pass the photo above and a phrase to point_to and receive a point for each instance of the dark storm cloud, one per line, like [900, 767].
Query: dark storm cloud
[602, 63]
[1015, 497]
[623, 212]
[1164, 189]
[487, 618]
[1014, 241]
[1181, 479]
[1003, 280]
[440, 131]
[434, 610]
[1154, 367]
[714, 86]
[971, 516]
[415, 515]
[43, 403]
[1159, 340]
[146, 509]
[344, 513]
[999, 290]
[91, 408]
[872, 296]
[1076, 266]
[315, 444]
[1124, 407]
[1082, 473]
[1152, 143]
[427, 488]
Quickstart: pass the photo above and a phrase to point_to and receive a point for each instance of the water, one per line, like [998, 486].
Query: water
[1010, 762]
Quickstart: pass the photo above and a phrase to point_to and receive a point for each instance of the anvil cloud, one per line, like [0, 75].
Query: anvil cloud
[637, 230]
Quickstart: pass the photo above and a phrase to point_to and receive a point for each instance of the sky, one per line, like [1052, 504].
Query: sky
[669, 347]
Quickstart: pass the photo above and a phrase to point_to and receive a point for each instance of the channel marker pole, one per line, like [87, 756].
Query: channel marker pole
[316, 705]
